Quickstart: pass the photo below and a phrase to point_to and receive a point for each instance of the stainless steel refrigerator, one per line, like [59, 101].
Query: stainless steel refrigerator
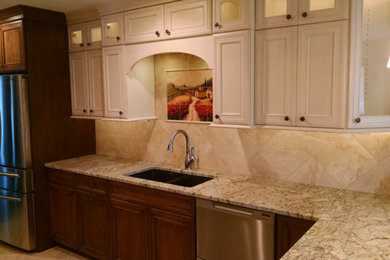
[16, 175]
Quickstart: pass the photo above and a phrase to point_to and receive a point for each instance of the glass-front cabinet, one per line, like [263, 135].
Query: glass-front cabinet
[85, 36]
[280, 13]
[370, 64]
[232, 15]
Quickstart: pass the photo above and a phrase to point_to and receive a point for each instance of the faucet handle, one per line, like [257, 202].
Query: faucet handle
[192, 153]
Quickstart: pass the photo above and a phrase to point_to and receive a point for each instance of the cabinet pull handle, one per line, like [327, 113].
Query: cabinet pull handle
[358, 120]
[216, 116]
[167, 32]
[82, 44]
[88, 44]
[286, 118]
[304, 14]
[91, 110]
[118, 38]
[288, 17]
[84, 110]
[216, 25]
[158, 33]
[302, 118]
[120, 112]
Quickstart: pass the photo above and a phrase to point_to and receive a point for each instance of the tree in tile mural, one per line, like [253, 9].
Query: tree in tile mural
[190, 95]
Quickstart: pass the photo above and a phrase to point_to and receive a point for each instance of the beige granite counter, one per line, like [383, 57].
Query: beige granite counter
[350, 225]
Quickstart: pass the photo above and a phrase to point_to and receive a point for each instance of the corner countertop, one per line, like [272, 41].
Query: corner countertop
[350, 225]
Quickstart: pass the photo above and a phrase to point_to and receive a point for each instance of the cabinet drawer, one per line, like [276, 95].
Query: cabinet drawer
[92, 184]
[61, 177]
[181, 204]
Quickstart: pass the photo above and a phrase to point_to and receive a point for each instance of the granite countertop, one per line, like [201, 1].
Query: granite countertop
[350, 225]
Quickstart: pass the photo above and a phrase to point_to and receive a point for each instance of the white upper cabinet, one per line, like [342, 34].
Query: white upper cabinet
[146, 24]
[187, 18]
[115, 91]
[233, 78]
[113, 29]
[79, 83]
[279, 13]
[86, 83]
[85, 36]
[275, 76]
[322, 74]
[232, 15]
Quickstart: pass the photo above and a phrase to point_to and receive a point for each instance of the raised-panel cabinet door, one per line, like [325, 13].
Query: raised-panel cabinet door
[146, 24]
[79, 83]
[77, 37]
[112, 29]
[276, 13]
[313, 11]
[12, 47]
[94, 234]
[322, 74]
[172, 236]
[232, 15]
[275, 76]
[130, 230]
[187, 18]
[233, 78]
[94, 35]
[115, 92]
[95, 76]
[63, 215]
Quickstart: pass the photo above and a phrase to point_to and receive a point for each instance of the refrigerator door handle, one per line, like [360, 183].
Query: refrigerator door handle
[10, 198]
[14, 175]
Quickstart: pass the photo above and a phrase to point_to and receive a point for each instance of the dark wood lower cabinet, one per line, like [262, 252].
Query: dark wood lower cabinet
[130, 230]
[288, 231]
[93, 216]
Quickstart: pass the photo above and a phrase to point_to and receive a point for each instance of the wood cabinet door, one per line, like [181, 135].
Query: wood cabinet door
[130, 230]
[187, 18]
[172, 236]
[233, 78]
[95, 83]
[314, 11]
[94, 35]
[272, 14]
[93, 225]
[232, 15]
[79, 83]
[112, 29]
[115, 91]
[63, 215]
[12, 47]
[146, 24]
[77, 37]
[288, 231]
[322, 74]
[275, 76]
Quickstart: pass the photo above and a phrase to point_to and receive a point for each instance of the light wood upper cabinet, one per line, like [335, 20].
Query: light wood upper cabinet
[146, 24]
[232, 15]
[85, 36]
[115, 91]
[275, 76]
[322, 74]
[280, 13]
[187, 18]
[12, 53]
[113, 29]
[233, 78]
[86, 83]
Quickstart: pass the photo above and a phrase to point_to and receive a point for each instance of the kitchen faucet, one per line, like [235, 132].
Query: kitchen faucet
[190, 158]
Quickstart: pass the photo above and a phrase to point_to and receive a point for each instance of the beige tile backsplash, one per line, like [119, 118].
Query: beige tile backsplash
[350, 161]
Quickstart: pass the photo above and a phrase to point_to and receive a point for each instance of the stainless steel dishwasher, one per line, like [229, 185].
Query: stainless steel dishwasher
[226, 232]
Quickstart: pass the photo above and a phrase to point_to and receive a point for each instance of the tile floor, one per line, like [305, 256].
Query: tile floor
[11, 253]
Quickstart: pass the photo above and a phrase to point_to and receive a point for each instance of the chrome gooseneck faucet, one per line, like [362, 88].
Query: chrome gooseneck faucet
[190, 158]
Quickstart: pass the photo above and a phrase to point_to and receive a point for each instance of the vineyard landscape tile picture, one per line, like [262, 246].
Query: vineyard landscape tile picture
[190, 95]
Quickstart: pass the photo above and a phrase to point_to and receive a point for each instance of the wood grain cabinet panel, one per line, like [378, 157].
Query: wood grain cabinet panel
[12, 47]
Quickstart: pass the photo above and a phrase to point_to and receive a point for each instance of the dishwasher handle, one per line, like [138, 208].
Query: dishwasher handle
[242, 212]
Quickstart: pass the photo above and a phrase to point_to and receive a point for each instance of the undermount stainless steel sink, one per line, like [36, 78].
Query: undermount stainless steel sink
[175, 178]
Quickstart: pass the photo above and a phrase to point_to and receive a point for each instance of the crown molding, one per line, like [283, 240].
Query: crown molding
[82, 15]
[125, 5]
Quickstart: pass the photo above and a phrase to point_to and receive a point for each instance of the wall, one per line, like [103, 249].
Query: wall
[350, 161]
